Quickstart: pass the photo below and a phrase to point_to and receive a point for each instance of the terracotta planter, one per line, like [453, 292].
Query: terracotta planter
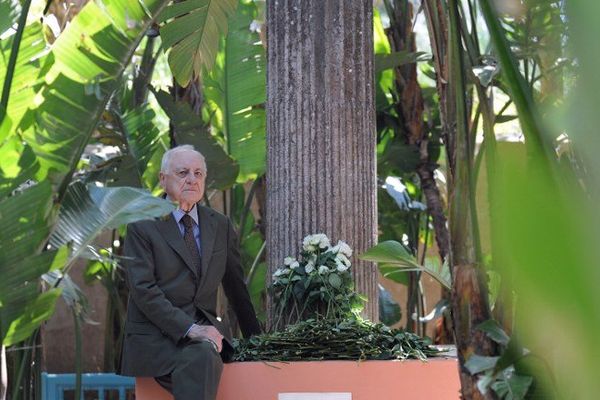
[436, 379]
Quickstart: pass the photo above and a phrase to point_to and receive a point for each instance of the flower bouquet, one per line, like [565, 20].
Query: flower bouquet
[317, 314]
[317, 285]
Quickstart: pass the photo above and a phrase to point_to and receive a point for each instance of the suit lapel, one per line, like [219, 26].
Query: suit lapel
[207, 237]
[172, 234]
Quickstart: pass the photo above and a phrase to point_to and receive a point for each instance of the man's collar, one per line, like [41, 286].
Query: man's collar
[179, 213]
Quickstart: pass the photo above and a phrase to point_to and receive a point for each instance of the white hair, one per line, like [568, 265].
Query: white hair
[166, 159]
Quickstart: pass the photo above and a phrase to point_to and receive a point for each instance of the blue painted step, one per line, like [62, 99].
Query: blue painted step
[54, 386]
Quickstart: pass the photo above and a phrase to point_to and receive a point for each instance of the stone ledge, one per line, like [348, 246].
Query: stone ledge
[435, 379]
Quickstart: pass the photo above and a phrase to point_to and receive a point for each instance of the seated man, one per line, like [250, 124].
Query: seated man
[174, 267]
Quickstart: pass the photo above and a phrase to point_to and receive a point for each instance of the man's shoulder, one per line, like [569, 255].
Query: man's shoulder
[219, 217]
[145, 224]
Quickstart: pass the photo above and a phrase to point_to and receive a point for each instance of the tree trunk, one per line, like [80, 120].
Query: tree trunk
[321, 166]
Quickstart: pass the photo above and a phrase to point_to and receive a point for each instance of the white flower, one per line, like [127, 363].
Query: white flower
[280, 272]
[324, 242]
[312, 242]
[340, 265]
[307, 244]
[310, 267]
[295, 264]
[343, 259]
[344, 248]
[342, 268]
[333, 249]
[323, 270]
[288, 260]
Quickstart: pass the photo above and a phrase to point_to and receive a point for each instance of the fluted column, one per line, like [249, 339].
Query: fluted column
[321, 164]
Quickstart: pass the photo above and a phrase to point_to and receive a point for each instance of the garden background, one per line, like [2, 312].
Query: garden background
[460, 135]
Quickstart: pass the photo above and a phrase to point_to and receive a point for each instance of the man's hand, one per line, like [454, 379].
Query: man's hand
[208, 333]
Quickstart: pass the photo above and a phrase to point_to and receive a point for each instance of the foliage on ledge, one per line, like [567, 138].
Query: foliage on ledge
[331, 339]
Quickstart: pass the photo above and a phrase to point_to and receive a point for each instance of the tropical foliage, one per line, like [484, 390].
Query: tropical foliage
[85, 111]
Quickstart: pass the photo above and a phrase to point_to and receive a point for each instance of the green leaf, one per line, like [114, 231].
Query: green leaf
[17, 165]
[513, 388]
[9, 13]
[511, 355]
[384, 79]
[89, 58]
[85, 214]
[28, 69]
[500, 119]
[25, 219]
[335, 280]
[398, 58]
[32, 317]
[390, 252]
[389, 309]
[222, 170]
[20, 285]
[71, 294]
[494, 331]
[142, 135]
[236, 90]
[394, 258]
[476, 364]
[193, 35]
[400, 157]
[394, 273]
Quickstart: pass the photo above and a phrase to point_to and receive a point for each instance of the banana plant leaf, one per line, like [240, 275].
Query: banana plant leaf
[29, 69]
[235, 90]
[393, 259]
[9, 13]
[87, 211]
[222, 169]
[26, 220]
[89, 58]
[193, 35]
[17, 165]
[142, 135]
[136, 133]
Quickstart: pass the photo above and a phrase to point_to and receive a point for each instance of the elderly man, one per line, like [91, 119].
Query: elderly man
[174, 267]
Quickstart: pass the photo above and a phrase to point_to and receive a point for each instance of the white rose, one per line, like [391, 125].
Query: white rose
[341, 267]
[294, 264]
[344, 248]
[342, 258]
[306, 243]
[278, 272]
[288, 260]
[310, 267]
[323, 270]
[324, 242]
[334, 249]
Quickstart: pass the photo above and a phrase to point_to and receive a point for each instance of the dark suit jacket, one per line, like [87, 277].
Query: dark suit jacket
[166, 296]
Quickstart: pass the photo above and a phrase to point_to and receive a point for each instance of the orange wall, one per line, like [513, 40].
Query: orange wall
[436, 379]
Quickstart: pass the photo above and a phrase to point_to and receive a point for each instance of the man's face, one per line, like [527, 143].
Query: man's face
[184, 179]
